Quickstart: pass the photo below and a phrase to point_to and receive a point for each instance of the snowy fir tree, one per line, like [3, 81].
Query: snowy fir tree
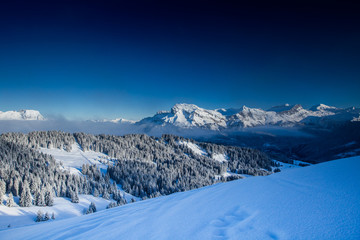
[10, 201]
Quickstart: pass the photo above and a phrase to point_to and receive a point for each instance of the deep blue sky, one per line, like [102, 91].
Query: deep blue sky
[107, 59]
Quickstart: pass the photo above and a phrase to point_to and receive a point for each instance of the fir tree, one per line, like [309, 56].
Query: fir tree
[25, 197]
[46, 217]
[48, 198]
[39, 216]
[74, 197]
[10, 202]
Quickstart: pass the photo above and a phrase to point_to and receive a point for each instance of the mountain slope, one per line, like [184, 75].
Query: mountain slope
[21, 115]
[316, 202]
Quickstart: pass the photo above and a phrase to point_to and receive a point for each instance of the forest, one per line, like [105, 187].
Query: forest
[144, 166]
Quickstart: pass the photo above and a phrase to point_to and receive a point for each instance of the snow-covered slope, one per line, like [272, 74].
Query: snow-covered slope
[21, 115]
[192, 116]
[63, 208]
[316, 202]
[74, 159]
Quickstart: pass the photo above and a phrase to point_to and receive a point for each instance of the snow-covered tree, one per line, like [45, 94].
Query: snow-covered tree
[92, 208]
[25, 197]
[74, 197]
[49, 201]
[10, 202]
[39, 216]
[46, 217]
[39, 198]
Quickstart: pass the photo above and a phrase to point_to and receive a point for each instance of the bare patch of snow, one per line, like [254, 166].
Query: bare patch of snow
[195, 148]
[220, 157]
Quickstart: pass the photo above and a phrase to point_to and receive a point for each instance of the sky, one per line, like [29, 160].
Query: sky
[130, 59]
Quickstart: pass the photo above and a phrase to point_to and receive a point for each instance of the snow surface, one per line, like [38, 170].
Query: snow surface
[195, 148]
[316, 202]
[286, 166]
[220, 157]
[63, 208]
[74, 159]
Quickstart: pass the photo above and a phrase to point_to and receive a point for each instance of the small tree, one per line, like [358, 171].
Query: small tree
[46, 217]
[39, 216]
[96, 192]
[10, 202]
[111, 205]
[106, 194]
[92, 208]
[53, 216]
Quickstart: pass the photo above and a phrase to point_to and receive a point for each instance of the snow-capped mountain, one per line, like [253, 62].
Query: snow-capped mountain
[21, 115]
[192, 116]
[188, 116]
[118, 120]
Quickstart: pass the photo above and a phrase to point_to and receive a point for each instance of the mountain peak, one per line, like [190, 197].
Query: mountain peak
[322, 107]
[184, 107]
[21, 115]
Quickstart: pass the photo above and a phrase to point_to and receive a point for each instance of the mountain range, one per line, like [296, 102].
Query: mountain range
[190, 116]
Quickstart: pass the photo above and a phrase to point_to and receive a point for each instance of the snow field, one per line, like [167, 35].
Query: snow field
[316, 202]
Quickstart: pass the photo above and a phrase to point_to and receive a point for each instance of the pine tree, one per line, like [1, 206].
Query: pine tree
[96, 192]
[2, 190]
[25, 197]
[10, 202]
[92, 207]
[46, 217]
[49, 201]
[39, 216]
[39, 198]
[106, 194]
[53, 216]
[15, 188]
[74, 197]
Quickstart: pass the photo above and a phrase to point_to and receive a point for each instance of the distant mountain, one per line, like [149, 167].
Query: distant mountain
[21, 115]
[117, 120]
[191, 116]
[188, 116]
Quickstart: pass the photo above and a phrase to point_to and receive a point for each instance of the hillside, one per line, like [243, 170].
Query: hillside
[316, 202]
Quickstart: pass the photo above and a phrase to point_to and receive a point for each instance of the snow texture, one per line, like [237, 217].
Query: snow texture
[316, 202]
